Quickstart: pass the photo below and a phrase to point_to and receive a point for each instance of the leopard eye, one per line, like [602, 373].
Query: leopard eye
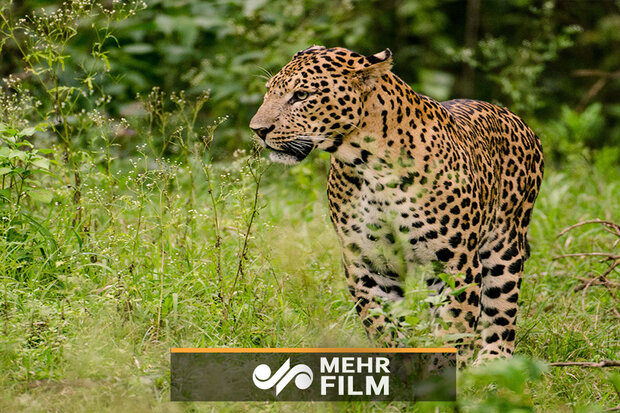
[300, 95]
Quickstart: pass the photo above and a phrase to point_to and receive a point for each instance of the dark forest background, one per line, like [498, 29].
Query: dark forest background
[553, 63]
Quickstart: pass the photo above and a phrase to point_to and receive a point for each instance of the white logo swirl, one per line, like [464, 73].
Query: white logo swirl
[301, 373]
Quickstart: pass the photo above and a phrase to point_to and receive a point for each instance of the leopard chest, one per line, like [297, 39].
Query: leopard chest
[391, 221]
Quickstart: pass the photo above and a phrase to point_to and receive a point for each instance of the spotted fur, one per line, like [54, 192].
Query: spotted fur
[413, 181]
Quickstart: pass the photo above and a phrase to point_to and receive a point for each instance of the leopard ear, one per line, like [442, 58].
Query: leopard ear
[309, 49]
[381, 57]
[379, 65]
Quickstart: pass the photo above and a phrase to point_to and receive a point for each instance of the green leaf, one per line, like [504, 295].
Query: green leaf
[24, 143]
[40, 195]
[5, 170]
[460, 290]
[435, 299]
[412, 320]
[27, 131]
[5, 194]
[42, 126]
[450, 282]
[77, 236]
[9, 132]
[41, 162]
[42, 230]
[17, 154]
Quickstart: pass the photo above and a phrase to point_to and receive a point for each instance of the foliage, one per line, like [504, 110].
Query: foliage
[129, 225]
[17, 167]
[532, 56]
[504, 385]
[515, 69]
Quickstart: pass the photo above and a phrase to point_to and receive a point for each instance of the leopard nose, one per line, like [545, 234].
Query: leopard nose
[262, 132]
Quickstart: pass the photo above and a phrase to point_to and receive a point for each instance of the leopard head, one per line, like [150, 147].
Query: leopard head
[316, 101]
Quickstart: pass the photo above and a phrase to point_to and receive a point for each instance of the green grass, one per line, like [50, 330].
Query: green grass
[79, 322]
[112, 253]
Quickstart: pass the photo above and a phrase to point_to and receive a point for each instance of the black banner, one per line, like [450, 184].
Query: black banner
[313, 374]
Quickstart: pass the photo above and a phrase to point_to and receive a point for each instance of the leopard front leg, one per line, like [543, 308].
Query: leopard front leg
[370, 290]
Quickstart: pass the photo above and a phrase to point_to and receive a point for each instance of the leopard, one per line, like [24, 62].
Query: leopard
[412, 182]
